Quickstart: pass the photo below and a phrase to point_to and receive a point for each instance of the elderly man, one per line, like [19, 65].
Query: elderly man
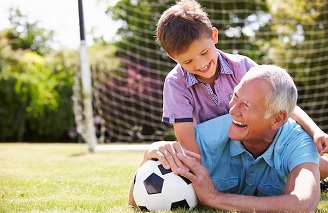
[256, 158]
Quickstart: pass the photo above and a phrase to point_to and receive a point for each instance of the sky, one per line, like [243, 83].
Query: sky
[62, 16]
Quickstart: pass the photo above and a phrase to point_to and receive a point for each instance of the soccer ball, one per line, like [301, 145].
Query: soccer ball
[156, 188]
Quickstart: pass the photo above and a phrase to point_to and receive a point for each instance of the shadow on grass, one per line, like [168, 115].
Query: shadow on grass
[78, 154]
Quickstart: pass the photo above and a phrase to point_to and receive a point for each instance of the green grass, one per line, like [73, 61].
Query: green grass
[66, 178]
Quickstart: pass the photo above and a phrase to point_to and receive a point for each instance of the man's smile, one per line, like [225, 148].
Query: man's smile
[239, 124]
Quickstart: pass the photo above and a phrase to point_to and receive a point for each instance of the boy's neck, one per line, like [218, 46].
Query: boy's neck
[211, 80]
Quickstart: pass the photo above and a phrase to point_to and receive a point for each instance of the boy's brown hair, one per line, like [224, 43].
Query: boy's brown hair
[182, 24]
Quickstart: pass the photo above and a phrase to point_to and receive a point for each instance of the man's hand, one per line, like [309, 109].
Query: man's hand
[166, 152]
[201, 181]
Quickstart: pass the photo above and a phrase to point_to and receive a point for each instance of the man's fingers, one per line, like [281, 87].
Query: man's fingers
[193, 154]
[190, 162]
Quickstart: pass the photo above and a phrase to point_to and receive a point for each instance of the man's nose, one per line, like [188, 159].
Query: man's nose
[234, 109]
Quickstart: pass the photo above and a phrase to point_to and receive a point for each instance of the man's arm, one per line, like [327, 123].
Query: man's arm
[320, 138]
[302, 192]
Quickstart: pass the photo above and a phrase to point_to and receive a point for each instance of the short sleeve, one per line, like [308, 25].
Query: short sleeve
[177, 99]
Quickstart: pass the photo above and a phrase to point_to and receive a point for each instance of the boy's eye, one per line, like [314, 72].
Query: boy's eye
[203, 53]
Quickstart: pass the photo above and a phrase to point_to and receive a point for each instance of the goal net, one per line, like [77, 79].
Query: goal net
[292, 34]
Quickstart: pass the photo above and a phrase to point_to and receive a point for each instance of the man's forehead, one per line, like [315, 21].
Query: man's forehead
[252, 89]
[254, 83]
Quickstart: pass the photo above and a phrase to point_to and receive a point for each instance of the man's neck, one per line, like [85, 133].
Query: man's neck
[257, 148]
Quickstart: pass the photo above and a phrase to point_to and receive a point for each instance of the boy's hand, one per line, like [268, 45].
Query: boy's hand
[166, 152]
[321, 141]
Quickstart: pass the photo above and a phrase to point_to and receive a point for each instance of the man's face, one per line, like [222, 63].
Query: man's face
[200, 58]
[247, 108]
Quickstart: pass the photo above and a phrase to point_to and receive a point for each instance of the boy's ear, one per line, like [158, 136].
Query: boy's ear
[215, 35]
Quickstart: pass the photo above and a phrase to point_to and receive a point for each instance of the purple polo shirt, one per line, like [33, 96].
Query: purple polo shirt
[186, 99]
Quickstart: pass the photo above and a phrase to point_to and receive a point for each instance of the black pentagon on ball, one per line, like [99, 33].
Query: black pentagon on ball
[185, 180]
[134, 178]
[183, 204]
[163, 170]
[154, 184]
[143, 208]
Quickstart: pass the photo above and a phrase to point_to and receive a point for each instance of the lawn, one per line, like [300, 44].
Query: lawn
[67, 178]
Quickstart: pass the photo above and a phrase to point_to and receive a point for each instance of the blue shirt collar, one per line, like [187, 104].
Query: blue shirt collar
[224, 69]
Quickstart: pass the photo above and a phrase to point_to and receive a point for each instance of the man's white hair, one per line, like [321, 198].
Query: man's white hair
[283, 95]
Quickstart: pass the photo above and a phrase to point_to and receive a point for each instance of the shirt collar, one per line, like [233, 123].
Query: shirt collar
[236, 148]
[268, 154]
[224, 69]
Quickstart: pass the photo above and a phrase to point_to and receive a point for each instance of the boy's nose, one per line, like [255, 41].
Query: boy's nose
[202, 65]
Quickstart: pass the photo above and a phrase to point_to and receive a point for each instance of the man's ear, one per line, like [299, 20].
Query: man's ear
[215, 35]
[279, 119]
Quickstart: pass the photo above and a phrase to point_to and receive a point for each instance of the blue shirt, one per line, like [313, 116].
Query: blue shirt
[234, 170]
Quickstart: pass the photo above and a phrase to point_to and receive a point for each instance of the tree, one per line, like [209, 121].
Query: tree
[35, 84]
[299, 43]
[28, 35]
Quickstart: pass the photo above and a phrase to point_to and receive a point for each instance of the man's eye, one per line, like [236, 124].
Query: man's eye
[246, 105]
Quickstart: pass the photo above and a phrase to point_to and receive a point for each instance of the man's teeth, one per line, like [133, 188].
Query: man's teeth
[238, 123]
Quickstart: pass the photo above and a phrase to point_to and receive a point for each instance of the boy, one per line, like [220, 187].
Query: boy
[200, 86]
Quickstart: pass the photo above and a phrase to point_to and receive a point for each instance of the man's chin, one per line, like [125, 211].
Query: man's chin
[234, 135]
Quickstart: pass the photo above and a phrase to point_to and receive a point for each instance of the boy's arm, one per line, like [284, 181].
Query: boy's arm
[185, 134]
[320, 138]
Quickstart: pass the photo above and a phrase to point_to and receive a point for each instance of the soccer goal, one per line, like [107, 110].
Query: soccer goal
[127, 103]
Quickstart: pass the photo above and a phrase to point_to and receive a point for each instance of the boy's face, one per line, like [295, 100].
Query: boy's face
[200, 58]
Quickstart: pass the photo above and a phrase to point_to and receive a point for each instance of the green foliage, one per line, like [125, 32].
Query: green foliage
[300, 45]
[26, 35]
[35, 101]
[36, 81]
[35, 84]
